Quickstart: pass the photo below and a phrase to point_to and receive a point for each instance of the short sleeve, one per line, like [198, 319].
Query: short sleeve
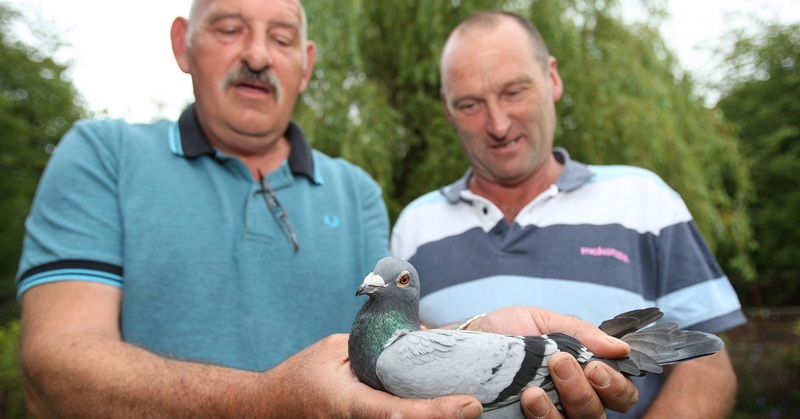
[74, 229]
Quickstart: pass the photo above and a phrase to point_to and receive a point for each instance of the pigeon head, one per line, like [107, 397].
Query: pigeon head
[391, 310]
[393, 277]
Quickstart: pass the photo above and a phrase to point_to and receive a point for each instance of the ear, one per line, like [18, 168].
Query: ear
[180, 28]
[311, 56]
[555, 79]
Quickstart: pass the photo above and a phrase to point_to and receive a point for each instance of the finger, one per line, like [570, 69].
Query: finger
[387, 405]
[442, 407]
[588, 334]
[601, 344]
[578, 397]
[616, 391]
[536, 405]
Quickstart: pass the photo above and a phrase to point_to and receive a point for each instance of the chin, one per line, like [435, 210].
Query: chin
[256, 121]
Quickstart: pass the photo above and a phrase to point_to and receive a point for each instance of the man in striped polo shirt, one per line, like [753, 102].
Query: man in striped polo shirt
[528, 226]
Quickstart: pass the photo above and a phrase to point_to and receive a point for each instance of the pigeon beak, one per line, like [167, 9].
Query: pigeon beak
[371, 284]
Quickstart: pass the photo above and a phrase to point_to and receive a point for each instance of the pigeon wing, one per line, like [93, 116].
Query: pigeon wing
[433, 363]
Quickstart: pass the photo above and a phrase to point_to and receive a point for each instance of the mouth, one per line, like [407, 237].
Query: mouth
[255, 87]
[253, 84]
[505, 145]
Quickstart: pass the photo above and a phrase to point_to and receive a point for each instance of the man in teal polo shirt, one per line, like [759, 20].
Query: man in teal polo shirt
[200, 267]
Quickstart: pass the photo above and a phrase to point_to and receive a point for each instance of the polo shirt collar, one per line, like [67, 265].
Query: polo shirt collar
[575, 173]
[192, 143]
[572, 177]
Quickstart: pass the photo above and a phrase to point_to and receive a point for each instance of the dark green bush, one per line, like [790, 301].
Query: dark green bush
[12, 404]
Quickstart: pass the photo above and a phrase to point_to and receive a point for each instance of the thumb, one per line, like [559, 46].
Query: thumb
[458, 406]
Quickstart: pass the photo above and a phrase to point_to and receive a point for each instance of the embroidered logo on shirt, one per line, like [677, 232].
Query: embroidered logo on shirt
[606, 252]
[332, 221]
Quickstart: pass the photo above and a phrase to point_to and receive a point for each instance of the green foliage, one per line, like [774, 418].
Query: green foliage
[37, 106]
[375, 101]
[762, 101]
[12, 404]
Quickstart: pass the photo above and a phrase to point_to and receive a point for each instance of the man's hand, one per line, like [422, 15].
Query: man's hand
[321, 374]
[585, 394]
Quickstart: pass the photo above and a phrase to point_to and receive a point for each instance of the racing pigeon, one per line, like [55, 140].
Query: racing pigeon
[389, 351]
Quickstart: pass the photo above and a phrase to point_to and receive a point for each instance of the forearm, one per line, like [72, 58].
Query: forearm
[704, 387]
[103, 378]
[75, 363]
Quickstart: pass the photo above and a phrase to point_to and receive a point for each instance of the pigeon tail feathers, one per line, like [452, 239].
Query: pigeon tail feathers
[655, 346]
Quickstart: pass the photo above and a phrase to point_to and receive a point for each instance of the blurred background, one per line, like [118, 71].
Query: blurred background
[706, 94]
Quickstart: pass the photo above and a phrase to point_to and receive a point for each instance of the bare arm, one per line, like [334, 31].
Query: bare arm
[75, 364]
[703, 387]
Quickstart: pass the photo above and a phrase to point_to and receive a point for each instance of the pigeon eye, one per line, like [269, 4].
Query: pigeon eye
[403, 279]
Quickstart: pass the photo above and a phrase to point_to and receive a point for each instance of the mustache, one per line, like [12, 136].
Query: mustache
[245, 74]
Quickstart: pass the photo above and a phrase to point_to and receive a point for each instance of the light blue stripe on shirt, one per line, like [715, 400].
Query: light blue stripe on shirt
[591, 302]
[69, 274]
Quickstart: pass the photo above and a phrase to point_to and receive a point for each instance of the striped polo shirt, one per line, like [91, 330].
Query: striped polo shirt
[601, 241]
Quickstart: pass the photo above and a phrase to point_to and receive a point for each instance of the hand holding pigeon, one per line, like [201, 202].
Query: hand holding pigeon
[390, 352]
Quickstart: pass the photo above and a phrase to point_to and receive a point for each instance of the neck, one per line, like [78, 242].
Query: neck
[375, 325]
[511, 197]
[260, 151]
[266, 161]
[385, 320]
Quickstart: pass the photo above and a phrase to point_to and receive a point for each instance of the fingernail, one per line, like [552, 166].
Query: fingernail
[565, 369]
[471, 410]
[614, 340]
[538, 408]
[600, 377]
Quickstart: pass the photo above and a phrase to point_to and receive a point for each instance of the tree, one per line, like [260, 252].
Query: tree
[375, 101]
[37, 106]
[761, 99]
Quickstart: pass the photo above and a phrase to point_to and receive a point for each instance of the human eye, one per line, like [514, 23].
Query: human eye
[228, 28]
[284, 35]
[467, 106]
[282, 40]
[515, 92]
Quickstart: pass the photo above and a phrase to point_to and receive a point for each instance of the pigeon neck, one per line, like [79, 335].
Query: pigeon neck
[375, 326]
[391, 319]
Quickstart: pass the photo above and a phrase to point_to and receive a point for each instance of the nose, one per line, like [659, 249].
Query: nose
[498, 122]
[256, 53]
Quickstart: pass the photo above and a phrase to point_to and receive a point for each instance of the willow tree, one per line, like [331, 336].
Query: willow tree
[375, 101]
[37, 106]
[761, 99]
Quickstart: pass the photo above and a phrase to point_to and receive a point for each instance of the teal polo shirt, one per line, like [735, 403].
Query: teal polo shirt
[206, 270]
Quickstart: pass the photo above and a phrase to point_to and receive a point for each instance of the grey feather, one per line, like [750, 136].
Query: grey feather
[389, 351]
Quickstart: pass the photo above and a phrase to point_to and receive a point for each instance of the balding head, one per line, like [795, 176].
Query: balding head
[491, 19]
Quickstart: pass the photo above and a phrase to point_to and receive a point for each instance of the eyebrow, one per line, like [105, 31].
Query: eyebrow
[285, 24]
[519, 81]
[523, 79]
[272, 23]
[222, 16]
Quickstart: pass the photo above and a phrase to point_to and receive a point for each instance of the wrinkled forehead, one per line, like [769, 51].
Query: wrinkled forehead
[288, 11]
[493, 33]
[488, 56]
